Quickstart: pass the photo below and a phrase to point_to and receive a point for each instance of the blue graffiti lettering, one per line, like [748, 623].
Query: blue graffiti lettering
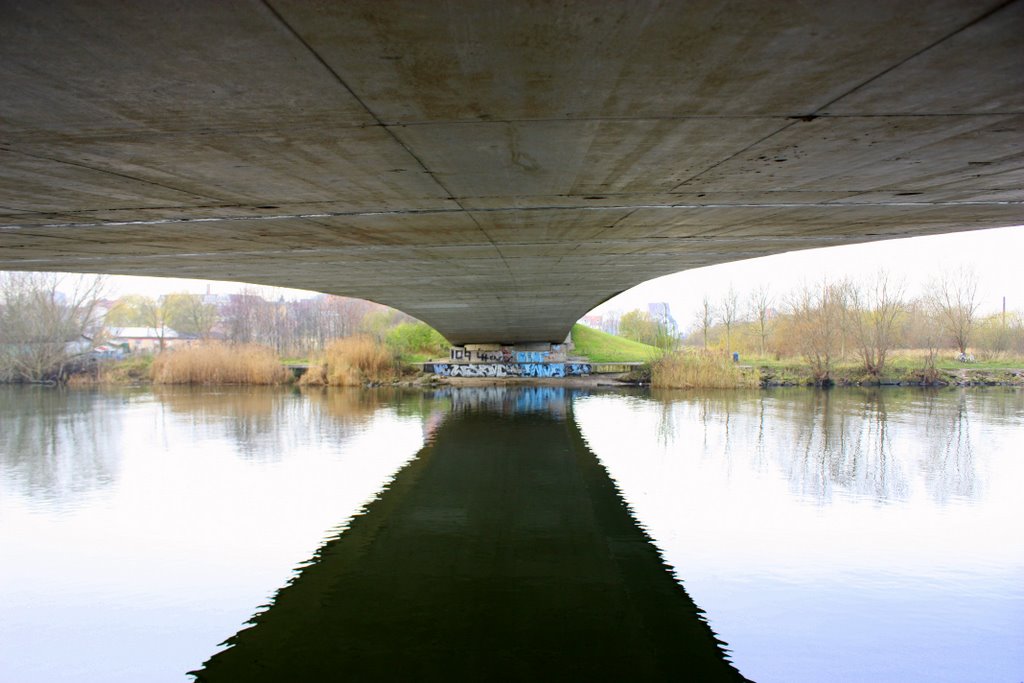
[509, 369]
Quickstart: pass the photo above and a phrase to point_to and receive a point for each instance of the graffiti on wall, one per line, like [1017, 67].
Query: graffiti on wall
[507, 354]
[508, 369]
[502, 355]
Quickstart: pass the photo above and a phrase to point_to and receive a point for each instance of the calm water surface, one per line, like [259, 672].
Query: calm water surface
[511, 534]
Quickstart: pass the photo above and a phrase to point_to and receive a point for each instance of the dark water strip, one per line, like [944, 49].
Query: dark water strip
[502, 552]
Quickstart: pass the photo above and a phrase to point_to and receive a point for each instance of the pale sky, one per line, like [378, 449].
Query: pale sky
[997, 256]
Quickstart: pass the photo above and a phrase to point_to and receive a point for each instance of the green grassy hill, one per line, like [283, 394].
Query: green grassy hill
[601, 347]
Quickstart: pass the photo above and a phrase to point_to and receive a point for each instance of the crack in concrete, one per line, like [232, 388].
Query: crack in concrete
[974, 22]
[387, 129]
[819, 111]
[105, 171]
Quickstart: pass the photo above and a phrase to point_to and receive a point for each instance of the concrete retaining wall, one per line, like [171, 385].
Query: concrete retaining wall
[508, 369]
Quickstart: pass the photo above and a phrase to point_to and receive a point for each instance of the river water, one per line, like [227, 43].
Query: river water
[504, 533]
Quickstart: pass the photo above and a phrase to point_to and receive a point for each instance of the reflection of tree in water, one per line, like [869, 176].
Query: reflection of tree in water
[58, 445]
[338, 413]
[842, 441]
[949, 468]
[266, 423]
[723, 416]
[250, 417]
[860, 442]
[824, 441]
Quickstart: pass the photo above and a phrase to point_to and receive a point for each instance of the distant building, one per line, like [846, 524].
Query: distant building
[218, 300]
[592, 321]
[610, 322]
[147, 339]
[662, 313]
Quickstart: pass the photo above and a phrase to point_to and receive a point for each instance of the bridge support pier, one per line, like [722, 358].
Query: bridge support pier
[536, 360]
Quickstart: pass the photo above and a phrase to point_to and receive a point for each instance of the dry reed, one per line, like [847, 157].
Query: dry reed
[353, 361]
[700, 370]
[219, 364]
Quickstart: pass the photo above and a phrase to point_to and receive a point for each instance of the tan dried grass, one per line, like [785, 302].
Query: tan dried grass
[352, 361]
[700, 370]
[219, 364]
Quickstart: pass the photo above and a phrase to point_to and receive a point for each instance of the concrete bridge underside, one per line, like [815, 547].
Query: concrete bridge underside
[496, 169]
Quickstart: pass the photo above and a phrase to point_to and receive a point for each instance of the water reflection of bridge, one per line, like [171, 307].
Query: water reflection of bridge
[503, 552]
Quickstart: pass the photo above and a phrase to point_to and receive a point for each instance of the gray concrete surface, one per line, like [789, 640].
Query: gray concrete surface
[496, 169]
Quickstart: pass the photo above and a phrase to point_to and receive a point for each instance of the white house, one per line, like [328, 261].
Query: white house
[147, 339]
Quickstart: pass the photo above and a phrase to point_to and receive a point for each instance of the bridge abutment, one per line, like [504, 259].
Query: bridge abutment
[536, 360]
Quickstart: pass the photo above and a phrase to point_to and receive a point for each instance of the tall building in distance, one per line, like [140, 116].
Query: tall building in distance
[661, 312]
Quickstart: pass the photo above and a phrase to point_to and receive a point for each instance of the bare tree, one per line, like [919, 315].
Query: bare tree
[759, 307]
[242, 314]
[816, 314]
[930, 331]
[728, 311]
[874, 313]
[610, 322]
[47, 321]
[705, 318]
[840, 302]
[954, 297]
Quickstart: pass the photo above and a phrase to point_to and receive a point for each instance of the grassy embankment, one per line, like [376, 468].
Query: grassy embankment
[905, 366]
[360, 361]
[601, 347]
[131, 370]
[714, 369]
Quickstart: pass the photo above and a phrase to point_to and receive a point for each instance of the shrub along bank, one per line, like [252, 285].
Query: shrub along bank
[353, 361]
[219, 364]
[690, 369]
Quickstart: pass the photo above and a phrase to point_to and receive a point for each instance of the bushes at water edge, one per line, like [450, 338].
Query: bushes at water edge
[416, 342]
[219, 364]
[353, 361]
[688, 369]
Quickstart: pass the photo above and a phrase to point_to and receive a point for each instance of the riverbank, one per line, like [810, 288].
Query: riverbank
[713, 372]
[960, 377]
[765, 377]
